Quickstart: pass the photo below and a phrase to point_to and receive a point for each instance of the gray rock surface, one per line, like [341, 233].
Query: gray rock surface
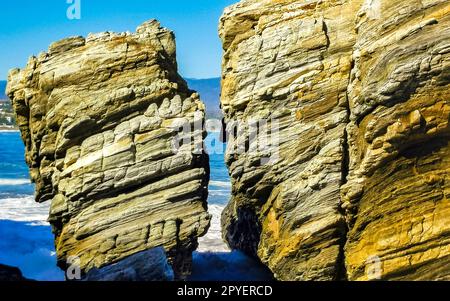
[150, 265]
[358, 92]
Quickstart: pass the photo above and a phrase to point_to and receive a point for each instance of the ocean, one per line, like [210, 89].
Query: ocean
[26, 238]
[27, 242]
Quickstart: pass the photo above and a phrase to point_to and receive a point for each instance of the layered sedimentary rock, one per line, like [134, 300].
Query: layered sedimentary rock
[146, 265]
[356, 98]
[288, 62]
[397, 197]
[101, 118]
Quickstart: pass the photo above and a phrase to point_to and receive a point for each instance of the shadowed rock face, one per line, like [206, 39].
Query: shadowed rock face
[99, 117]
[8, 273]
[359, 93]
[150, 265]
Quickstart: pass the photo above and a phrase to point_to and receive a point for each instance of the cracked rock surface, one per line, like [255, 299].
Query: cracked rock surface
[359, 92]
[99, 117]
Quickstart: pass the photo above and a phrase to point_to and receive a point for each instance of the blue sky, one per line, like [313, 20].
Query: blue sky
[29, 26]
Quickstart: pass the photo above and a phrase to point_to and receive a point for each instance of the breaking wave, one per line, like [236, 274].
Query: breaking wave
[212, 241]
[24, 209]
[14, 182]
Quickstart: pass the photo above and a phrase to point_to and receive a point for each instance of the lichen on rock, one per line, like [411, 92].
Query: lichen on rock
[99, 117]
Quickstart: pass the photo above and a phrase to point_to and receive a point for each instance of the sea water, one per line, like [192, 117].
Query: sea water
[26, 239]
[27, 242]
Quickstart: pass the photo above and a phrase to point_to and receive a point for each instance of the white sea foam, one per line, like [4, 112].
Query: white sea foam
[14, 182]
[212, 241]
[24, 209]
[224, 184]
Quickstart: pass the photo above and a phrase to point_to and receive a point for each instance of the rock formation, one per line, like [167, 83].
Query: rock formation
[356, 96]
[8, 273]
[397, 195]
[100, 117]
[146, 265]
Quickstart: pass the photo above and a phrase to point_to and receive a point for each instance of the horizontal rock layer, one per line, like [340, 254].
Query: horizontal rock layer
[150, 265]
[99, 117]
[356, 93]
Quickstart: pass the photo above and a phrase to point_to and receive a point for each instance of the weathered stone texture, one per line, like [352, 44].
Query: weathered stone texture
[359, 90]
[8, 273]
[290, 63]
[150, 265]
[397, 194]
[99, 116]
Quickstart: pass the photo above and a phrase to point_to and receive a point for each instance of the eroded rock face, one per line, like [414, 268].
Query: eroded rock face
[99, 117]
[397, 195]
[150, 265]
[359, 93]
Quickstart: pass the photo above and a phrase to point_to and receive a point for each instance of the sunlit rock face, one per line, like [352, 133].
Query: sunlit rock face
[357, 93]
[398, 188]
[100, 117]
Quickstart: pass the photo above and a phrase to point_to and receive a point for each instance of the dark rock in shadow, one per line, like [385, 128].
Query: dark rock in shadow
[8, 273]
[150, 265]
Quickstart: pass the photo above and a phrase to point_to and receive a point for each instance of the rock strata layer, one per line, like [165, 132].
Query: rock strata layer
[100, 117]
[356, 96]
[150, 265]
